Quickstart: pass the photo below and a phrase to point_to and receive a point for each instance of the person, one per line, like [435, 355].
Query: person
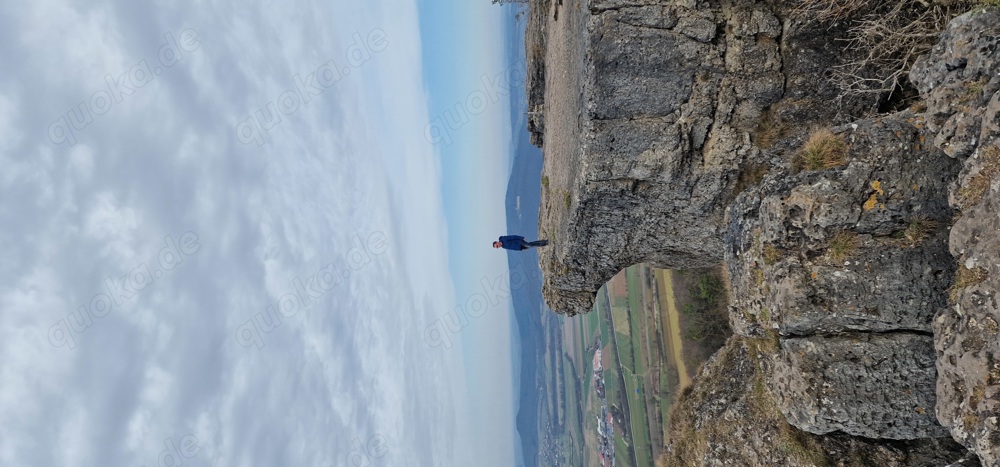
[517, 243]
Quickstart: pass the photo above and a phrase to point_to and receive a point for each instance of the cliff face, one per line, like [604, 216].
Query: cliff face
[649, 111]
[730, 418]
[960, 80]
[673, 134]
[848, 266]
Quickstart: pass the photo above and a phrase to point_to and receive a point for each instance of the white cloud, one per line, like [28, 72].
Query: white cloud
[82, 161]
[166, 362]
[9, 137]
[113, 225]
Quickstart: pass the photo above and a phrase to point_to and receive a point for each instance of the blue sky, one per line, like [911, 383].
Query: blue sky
[232, 238]
[468, 81]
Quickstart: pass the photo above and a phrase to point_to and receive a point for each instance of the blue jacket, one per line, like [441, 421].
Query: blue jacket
[512, 242]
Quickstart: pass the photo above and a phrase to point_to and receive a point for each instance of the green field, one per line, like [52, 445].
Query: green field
[623, 455]
[591, 319]
[641, 376]
[637, 410]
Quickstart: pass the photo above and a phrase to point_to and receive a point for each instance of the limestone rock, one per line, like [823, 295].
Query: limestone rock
[864, 384]
[961, 79]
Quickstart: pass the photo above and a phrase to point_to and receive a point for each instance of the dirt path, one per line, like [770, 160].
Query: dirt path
[565, 59]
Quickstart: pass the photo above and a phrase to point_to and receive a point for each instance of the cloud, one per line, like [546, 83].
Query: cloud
[155, 204]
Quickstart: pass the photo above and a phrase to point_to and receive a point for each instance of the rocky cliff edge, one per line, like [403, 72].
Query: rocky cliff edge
[677, 133]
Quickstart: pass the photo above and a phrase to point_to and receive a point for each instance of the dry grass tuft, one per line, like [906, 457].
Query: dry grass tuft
[965, 277]
[978, 394]
[751, 175]
[823, 150]
[765, 316]
[770, 130]
[973, 191]
[972, 91]
[842, 246]
[771, 254]
[918, 229]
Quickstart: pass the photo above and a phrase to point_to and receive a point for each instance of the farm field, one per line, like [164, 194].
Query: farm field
[621, 364]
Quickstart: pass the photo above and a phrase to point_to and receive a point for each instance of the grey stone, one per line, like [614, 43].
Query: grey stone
[960, 81]
[652, 122]
[863, 384]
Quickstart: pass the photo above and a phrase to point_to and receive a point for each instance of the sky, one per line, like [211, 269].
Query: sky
[237, 234]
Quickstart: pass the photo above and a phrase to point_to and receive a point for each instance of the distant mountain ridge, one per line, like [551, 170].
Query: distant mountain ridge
[522, 203]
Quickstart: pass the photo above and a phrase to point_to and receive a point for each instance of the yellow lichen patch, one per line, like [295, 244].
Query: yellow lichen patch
[873, 199]
[916, 187]
[870, 204]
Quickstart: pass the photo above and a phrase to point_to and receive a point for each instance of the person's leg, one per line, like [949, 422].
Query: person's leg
[537, 243]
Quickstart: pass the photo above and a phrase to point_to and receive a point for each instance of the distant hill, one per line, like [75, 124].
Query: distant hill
[522, 202]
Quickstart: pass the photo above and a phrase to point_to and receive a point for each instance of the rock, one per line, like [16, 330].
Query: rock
[670, 94]
[955, 95]
[846, 267]
[670, 132]
[730, 417]
[864, 384]
[960, 81]
[888, 205]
